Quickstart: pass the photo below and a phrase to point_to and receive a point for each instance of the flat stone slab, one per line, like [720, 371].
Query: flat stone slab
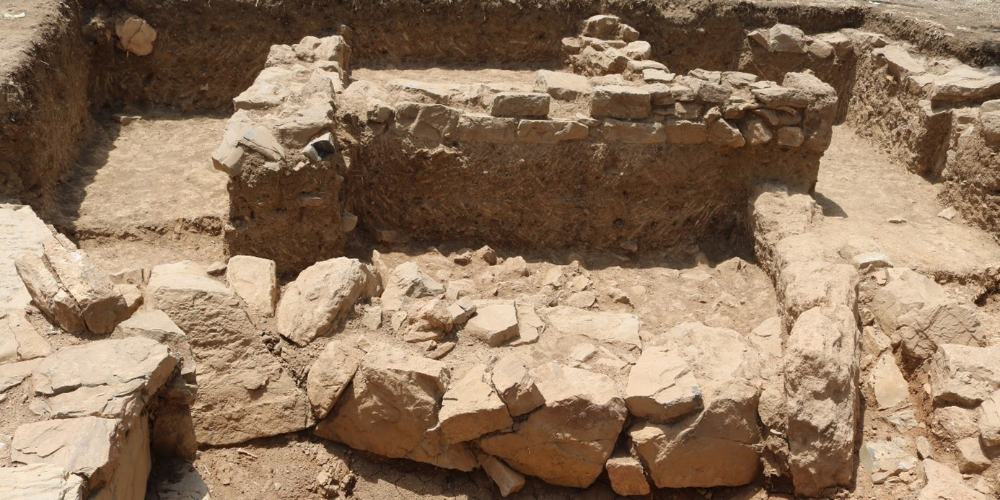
[20, 231]
[40, 481]
[110, 378]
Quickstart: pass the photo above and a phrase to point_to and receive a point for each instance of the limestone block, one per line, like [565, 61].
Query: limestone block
[471, 408]
[964, 375]
[320, 297]
[627, 475]
[561, 85]
[156, 325]
[495, 323]
[633, 132]
[38, 481]
[330, 374]
[550, 131]
[515, 385]
[520, 105]
[619, 101]
[255, 280]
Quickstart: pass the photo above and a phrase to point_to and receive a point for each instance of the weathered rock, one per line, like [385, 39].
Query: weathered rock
[561, 85]
[321, 296]
[508, 480]
[627, 476]
[619, 101]
[791, 137]
[408, 281]
[820, 385]
[71, 291]
[717, 445]
[399, 394]
[971, 458]
[495, 323]
[724, 133]
[515, 385]
[785, 38]
[964, 375]
[567, 441]
[19, 341]
[330, 374]
[86, 446]
[756, 132]
[638, 50]
[915, 310]
[40, 481]
[21, 231]
[133, 297]
[989, 420]
[484, 128]
[602, 26]
[887, 382]
[436, 317]
[471, 408]
[953, 423]
[620, 330]
[135, 35]
[550, 131]
[944, 483]
[520, 105]
[255, 280]
[884, 459]
[685, 131]
[243, 391]
[156, 325]
[12, 374]
[107, 378]
[661, 387]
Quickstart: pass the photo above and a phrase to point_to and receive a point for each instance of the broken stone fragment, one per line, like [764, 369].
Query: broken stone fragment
[638, 50]
[550, 131]
[84, 446]
[887, 382]
[135, 35]
[19, 341]
[40, 481]
[587, 411]
[619, 330]
[627, 475]
[791, 137]
[156, 325]
[320, 297]
[520, 105]
[724, 133]
[964, 375]
[484, 128]
[260, 140]
[330, 374]
[943, 482]
[884, 459]
[971, 458]
[756, 132]
[132, 296]
[508, 480]
[12, 374]
[602, 26]
[989, 420]
[69, 289]
[661, 387]
[255, 280]
[515, 385]
[399, 394]
[495, 323]
[407, 281]
[108, 378]
[471, 408]
[561, 85]
[685, 131]
[914, 309]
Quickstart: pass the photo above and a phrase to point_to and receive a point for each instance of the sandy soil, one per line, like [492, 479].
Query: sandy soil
[148, 174]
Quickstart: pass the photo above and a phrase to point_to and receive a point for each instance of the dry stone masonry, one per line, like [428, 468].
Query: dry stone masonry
[617, 353]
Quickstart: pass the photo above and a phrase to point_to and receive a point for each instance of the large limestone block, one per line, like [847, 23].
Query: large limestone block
[70, 290]
[821, 371]
[40, 482]
[620, 101]
[330, 374]
[322, 295]
[567, 441]
[561, 85]
[619, 330]
[716, 446]
[661, 387]
[963, 375]
[471, 408]
[256, 280]
[399, 395]
[915, 310]
[156, 325]
[109, 378]
[243, 390]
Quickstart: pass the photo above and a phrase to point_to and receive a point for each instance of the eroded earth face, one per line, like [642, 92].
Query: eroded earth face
[576, 264]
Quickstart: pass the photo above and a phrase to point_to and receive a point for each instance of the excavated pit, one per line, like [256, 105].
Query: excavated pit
[482, 250]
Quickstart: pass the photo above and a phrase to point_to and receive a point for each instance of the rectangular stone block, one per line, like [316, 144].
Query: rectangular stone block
[620, 101]
[483, 128]
[520, 105]
[550, 131]
[561, 85]
[634, 132]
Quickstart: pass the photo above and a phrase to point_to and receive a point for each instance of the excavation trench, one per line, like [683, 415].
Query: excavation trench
[569, 254]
